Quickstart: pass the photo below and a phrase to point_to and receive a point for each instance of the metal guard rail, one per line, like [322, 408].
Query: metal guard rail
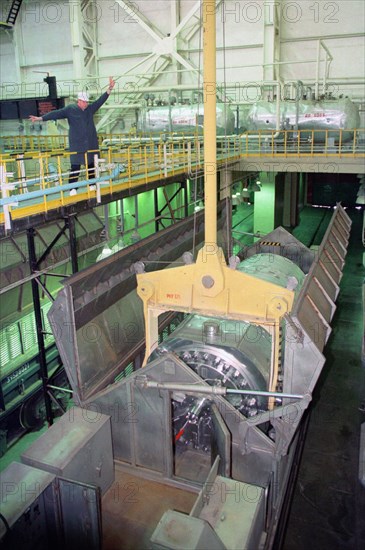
[34, 181]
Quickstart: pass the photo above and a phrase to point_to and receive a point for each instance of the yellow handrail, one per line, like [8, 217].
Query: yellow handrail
[23, 172]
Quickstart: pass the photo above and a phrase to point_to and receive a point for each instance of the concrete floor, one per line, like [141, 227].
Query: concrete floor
[132, 508]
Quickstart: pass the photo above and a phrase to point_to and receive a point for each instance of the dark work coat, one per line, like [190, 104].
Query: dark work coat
[82, 132]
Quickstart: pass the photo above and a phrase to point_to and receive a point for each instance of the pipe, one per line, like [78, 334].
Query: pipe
[213, 390]
[299, 94]
[326, 50]
[267, 393]
[189, 87]
[122, 106]
[329, 58]
[316, 87]
[58, 188]
[65, 390]
[175, 386]
[318, 37]
[278, 98]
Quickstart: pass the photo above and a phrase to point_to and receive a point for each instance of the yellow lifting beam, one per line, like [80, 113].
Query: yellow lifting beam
[209, 287]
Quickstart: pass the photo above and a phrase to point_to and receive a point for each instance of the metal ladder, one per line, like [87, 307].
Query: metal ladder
[13, 12]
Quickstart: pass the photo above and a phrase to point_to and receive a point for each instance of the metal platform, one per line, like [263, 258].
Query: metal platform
[35, 184]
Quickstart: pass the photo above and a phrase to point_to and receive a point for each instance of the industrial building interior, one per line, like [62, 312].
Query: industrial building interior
[182, 338]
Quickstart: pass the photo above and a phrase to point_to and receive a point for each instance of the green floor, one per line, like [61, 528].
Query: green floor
[14, 453]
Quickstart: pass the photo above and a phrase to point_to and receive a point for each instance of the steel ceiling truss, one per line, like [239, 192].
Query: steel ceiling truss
[164, 54]
[271, 46]
[84, 40]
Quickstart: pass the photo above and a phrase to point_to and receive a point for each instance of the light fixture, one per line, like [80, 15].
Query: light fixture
[118, 246]
[135, 237]
[104, 253]
[199, 206]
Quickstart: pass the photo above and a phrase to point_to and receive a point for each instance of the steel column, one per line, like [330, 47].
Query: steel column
[157, 212]
[39, 324]
[70, 224]
[186, 198]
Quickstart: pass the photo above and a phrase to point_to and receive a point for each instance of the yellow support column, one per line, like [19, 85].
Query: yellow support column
[210, 132]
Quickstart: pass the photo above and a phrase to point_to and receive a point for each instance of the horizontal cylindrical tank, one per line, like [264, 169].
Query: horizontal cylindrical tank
[184, 118]
[303, 115]
[274, 269]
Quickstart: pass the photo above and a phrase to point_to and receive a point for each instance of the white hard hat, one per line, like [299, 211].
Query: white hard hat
[83, 96]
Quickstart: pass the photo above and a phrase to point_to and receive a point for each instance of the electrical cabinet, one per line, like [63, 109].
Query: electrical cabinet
[77, 447]
[41, 511]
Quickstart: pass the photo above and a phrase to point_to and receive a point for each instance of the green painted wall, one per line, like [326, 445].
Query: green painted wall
[269, 202]
[264, 213]
[302, 190]
[146, 210]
